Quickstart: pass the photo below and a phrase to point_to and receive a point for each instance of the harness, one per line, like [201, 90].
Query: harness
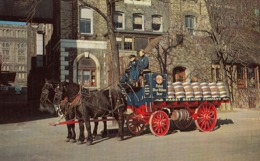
[111, 111]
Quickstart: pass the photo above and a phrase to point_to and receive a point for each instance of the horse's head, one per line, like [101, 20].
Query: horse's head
[45, 103]
[64, 92]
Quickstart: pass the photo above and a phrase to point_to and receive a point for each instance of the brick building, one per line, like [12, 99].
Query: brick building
[79, 45]
[79, 50]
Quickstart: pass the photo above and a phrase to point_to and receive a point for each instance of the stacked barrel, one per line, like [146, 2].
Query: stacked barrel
[196, 90]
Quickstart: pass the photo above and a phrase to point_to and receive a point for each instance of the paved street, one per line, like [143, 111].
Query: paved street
[237, 137]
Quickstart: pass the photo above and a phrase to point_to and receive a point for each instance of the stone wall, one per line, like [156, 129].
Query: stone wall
[195, 52]
[247, 98]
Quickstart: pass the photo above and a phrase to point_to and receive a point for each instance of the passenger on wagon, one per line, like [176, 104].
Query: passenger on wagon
[130, 76]
[143, 62]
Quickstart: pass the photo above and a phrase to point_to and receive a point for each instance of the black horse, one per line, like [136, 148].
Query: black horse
[102, 103]
[66, 102]
[59, 104]
[67, 95]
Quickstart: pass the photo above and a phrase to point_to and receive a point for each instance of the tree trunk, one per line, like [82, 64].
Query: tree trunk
[115, 66]
[225, 77]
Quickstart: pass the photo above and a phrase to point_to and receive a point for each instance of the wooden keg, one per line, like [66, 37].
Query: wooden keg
[223, 94]
[180, 94]
[189, 94]
[215, 94]
[205, 89]
[188, 89]
[177, 84]
[198, 94]
[170, 93]
[178, 88]
[197, 88]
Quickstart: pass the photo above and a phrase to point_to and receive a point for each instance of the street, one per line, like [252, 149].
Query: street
[236, 137]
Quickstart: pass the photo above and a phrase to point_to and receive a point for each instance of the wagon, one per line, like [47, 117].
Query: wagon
[159, 101]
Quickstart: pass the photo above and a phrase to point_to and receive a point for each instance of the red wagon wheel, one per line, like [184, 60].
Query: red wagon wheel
[134, 124]
[206, 116]
[183, 124]
[159, 123]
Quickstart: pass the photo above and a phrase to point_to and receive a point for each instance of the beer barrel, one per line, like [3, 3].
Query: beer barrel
[205, 89]
[170, 93]
[180, 94]
[189, 93]
[178, 88]
[177, 84]
[214, 89]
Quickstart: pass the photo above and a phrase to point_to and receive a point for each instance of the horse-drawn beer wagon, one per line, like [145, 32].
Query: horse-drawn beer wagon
[158, 101]
[153, 102]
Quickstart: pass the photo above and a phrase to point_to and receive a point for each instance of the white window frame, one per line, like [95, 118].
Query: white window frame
[161, 24]
[128, 40]
[86, 14]
[135, 15]
[139, 2]
[118, 13]
[190, 23]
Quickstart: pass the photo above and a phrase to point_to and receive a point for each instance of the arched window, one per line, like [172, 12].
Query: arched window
[87, 72]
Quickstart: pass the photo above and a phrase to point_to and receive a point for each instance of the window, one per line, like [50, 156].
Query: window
[190, 23]
[128, 44]
[86, 21]
[119, 19]
[218, 74]
[138, 21]
[157, 23]
[250, 77]
[240, 72]
[87, 72]
[139, 2]
[119, 42]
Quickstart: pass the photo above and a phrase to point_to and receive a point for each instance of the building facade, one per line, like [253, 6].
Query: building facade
[13, 52]
[79, 49]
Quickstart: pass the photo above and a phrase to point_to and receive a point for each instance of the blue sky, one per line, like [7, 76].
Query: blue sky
[12, 23]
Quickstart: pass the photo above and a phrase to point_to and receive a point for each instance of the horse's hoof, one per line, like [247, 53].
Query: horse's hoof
[73, 141]
[104, 135]
[120, 138]
[80, 142]
[89, 142]
[67, 140]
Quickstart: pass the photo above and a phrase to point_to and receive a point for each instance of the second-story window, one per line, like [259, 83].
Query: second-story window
[119, 19]
[190, 23]
[157, 23]
[139, 2]
[86, 21]
[138, 21]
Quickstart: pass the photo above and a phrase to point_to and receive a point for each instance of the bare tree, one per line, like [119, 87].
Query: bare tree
[234, 32]
[108, 17]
